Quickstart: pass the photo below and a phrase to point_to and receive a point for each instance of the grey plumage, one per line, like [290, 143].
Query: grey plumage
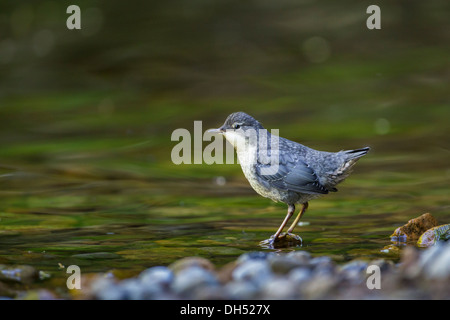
[302, 173]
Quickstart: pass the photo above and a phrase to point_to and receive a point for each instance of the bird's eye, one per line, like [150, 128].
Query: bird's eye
[236, 126]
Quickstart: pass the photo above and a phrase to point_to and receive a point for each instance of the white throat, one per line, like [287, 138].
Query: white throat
[246, 147]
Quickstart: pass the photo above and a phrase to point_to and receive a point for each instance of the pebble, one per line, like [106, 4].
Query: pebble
[354, 271]
[254, 255]
[279, 288]
[158, 276]
[436, 261]
[106, 289]
[299, 276]
[132, 289]
[241, 290]
[300, 255]
[423, 274]
[256, 271]
[282, 264]
[192, 278]
[293, 275]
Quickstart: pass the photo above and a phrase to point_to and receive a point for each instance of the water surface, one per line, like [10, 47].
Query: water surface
[85, 171]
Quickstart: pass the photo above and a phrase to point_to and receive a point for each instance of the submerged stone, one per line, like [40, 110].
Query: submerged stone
[22, 274]
[284, 240]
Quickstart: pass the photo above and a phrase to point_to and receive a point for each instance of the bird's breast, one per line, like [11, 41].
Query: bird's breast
[247, 161]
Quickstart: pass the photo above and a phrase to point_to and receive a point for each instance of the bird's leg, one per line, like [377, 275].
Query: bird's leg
[294, 224]
[291, 210]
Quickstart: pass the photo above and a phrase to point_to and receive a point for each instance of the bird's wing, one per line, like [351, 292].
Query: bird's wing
[292, 172]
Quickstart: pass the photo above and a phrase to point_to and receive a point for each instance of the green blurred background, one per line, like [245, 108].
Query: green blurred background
[86, 118]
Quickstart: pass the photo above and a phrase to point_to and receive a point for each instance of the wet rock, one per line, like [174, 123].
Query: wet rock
[300, 275]
[323, 265]
[188, 262]
[156, 281]
[284, 240]
[161, 276]
[214, 292]
[421, 274]
[435, 261]
[282, 264]
[414, 228]
[300, 255]
[354, 271]
[190, 279]
[21, 274]
[241, 290]
[321, 286]
[254, 255]
[321, 261]
[385, 265]
[256, 271]
[133, 289]
[104, 288]
[279, 289]
[409, 265]
[225, 274]
[433, 235]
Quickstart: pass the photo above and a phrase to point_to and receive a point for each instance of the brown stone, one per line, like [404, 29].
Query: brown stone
[433, 235]
[225, 274]
[414, 228]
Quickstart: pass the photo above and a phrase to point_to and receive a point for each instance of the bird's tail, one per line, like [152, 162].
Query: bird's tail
[350, 158]
[347, 160]
[357, 153]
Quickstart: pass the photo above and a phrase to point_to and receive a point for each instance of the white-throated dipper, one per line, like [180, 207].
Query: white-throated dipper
[283, 170]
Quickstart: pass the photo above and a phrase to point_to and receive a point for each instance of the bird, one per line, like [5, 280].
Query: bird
[283, 170]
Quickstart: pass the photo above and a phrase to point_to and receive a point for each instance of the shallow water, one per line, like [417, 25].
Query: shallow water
[85, 171]
[121, 222]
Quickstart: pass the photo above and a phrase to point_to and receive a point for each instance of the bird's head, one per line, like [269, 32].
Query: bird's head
[238, 127]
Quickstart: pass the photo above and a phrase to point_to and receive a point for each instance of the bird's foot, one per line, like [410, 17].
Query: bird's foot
[284, 240]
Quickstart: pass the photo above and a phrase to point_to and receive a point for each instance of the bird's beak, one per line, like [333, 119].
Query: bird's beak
[220, 130]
